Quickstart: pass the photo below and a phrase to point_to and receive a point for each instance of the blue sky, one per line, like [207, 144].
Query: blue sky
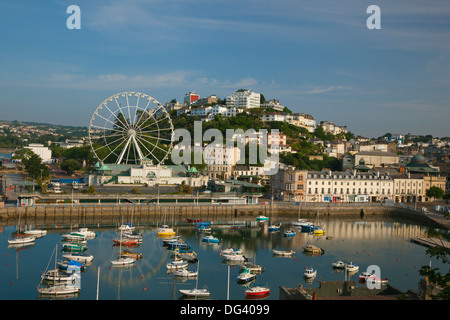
[316, 57]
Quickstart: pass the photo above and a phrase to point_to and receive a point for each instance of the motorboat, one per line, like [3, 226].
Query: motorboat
[254, 268]
[74, 236]
[246, 276]
[301, 222]
[127, 242]
[317, 230]
[59, 290]
[312, 248]
[193, 220]
[203, 228]
[310, 273]
[87, 233]
[257, 291]
[165, 231]
[73, 247]
[372, 278]
[178, 244]
[231, 251]
[210, 239]
[132, 235]
[262, 218]
[351, 267]
[129, 254]
[233, 256]
[338, 264]
[70, 264]
[283, 252]
[126, 227]
[289, 234]
[185, 273]
[274, 228]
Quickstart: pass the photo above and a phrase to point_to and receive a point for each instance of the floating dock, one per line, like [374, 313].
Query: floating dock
[431, 242]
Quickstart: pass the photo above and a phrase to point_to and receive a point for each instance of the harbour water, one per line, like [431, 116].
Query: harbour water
[369, 241]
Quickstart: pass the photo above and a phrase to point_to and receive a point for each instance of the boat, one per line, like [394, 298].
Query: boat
[122, 261]
[87, 233]
[309, 227]
[177, 264]
[283, 252]
[74, 236]
[127, 242]
[178, 244]
[231, 251]
[202, 223]
[351, 267]
[210, 239]
[274, 228]
[185, 273]
[165, 231]
[262, 218]
[129, 254]
[59, 290]
[257, 291]
[246, 276]
[78, 257]
[203, 228]
[310, 273]
[193, 220]
[338, 264]
[57, 275]
[317, 230]
[126, 227]
[197, 293]
[22, 240]
[170, 239]
[372, 278]
[132, 235]
[254, 268]
[36, 232]
[66, 265]
[313, 249]
[233, 256]
[289, 234]
[73, 247]
[187, 256]
[301, 222]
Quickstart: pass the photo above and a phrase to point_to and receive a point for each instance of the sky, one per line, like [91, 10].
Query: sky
[316, 57]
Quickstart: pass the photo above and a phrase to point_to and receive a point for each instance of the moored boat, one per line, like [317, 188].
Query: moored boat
[210, 239]
[338, 264]
[262, 218]
[283, 252]
[289, 234]
[185, 273]
[274, 228]
[22, 240]
[197, 293]
[351, 267]
[246, 276]
[257, 291]
[310, 273]
[81, 257]
[122, 261]
[165, 231]
[312, 248]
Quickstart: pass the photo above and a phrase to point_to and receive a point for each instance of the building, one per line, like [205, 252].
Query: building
[273, 104]
[330, 127]
[191, 97]
[143, 174]
[371, 159]
[212, 99]
[348, 186]
[244, 99]
[302, 120]
[43, 152]
[220, 161]
[273, 116]
[289, 184]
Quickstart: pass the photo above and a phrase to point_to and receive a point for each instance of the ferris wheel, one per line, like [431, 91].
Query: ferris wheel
[130, 128]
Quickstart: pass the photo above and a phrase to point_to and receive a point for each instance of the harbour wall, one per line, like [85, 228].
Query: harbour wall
[148, 214]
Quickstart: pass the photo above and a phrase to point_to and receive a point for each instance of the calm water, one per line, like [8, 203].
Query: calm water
[364, 242]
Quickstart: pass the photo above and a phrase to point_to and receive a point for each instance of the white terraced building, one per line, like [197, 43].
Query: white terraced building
[348, 186]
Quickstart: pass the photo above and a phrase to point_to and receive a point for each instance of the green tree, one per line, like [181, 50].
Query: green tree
[435, 276]
[70, 166]
[35, 167]
[435, 192]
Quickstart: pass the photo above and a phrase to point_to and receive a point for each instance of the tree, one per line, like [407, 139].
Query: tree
[185, 188]
[70, 166]
[433, 274]
[35, 167]
[435, 192]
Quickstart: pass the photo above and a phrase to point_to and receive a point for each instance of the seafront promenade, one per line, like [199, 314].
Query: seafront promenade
[164, 212]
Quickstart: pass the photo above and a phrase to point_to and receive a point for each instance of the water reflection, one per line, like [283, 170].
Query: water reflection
[364, 242]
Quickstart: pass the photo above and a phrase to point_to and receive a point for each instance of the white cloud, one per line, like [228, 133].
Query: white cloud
[318, 90]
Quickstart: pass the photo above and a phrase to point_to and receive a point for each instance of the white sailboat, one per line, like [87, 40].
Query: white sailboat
[197, 293]
[122, 261]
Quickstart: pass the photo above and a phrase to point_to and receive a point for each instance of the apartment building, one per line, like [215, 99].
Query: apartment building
[289, 184]
[348, 186]
[244, 99]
